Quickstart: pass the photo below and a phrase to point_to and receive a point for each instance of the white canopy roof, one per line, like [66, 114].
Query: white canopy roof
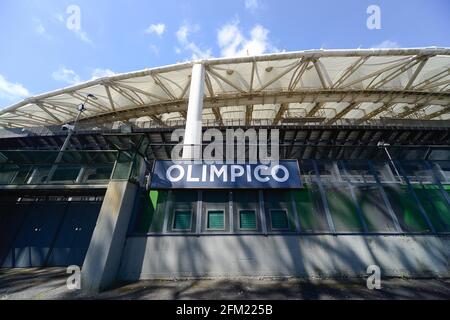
[325, 84]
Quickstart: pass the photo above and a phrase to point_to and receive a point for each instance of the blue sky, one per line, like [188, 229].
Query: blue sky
[40, 53]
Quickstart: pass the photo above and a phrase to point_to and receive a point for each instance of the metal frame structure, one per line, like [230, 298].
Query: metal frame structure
[325, 85]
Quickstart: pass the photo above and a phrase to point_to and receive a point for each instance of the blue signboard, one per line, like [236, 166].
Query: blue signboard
[193, 175]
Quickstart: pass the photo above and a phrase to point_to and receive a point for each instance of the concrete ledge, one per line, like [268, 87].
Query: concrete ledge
[321, 256]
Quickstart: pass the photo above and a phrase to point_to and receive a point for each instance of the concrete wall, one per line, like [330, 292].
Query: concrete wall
[287, 255]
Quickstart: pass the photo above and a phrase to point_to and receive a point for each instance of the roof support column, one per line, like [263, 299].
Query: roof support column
[193, 131]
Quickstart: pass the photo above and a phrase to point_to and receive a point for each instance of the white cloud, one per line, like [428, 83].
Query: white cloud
[40, 29]
[387, 44]
[158, 28]
[71, 77]
[252, 5]
[12, 91]
[66, 75]
[232, 42]
[154, 49]
[83, 36]
[100, 73]
[183, 37]
[59, 17]
[185, 31]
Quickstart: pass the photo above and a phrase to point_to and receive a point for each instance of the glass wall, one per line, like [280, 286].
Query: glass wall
[67, 167]
[337, 197]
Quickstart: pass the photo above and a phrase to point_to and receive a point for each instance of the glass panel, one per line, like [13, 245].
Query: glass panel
[279, 200]
[216, 220]
[33, 166]
[357, 172]
[124, 165]
[99, 173]
[406, 208]
[385, 172]
[417, 172]
[443, 170]
[436, 206]
[310, 209]
[374, 210]
[182, 220]
[40, 175]
[215, 201]
[279, 219]
[65, 174]
[329, 171]
[151, 212]
[343, 209]
[247, 219]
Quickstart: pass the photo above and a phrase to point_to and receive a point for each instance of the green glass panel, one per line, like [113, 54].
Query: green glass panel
[436, 206]
[182, 220]
[406, 209]
[310, 209]
[151, 212]
[279, 219]
[247, 219]
[158, 201]
[280, 200]
[343, 210]
[216, 220]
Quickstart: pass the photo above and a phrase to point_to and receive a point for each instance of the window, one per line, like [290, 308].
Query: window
[247, 219]
[182, 220]
[216, 220]
[278, 219]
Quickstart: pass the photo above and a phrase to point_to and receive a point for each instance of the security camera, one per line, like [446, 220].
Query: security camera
[66, 126]
[81, 107]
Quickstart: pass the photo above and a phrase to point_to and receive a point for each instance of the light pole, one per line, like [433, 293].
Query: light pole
[71, 130]
[384, 145]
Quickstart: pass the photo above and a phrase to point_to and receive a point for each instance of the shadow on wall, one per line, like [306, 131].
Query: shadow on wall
[272, 256]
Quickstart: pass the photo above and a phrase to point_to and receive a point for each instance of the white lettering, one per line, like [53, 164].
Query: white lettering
[257, 173]
[189, 175]
[277, 168]
[180, 173]
[234, 173]
[218, 173]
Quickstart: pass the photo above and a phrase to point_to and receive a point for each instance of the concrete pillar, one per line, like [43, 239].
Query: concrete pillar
[108, 239]
[193, 129]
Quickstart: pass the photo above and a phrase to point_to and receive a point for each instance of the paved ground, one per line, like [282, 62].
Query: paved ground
[51, 284]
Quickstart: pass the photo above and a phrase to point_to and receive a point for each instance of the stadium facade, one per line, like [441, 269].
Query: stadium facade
[363, 136]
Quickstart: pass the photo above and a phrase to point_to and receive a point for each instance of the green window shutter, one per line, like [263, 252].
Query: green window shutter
[216, 220]
[279, 219]
[247, 219]
[182, 220]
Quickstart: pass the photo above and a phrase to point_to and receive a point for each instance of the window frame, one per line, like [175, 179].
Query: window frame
[239, 220]
[288, 227]
[190, 221]
[207, 228]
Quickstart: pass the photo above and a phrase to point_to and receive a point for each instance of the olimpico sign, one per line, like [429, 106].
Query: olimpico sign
[191, 175]
[227, 162]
